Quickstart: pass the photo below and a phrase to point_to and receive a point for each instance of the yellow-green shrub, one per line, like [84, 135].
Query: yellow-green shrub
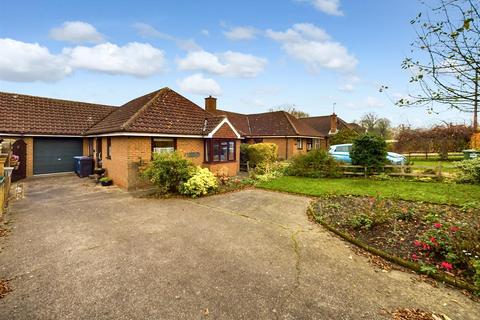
[201, 183]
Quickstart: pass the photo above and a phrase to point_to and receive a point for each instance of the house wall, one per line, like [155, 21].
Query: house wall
[29, 142]
[130, 154]
[116, 167]
[287, 147]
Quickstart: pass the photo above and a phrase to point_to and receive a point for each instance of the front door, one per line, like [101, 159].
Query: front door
[20, 150]
[99, 152]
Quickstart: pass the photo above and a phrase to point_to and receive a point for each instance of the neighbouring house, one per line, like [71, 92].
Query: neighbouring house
[330, 125]
[50, 132]
[291, 135]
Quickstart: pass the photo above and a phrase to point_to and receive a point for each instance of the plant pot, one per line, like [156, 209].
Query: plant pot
[106, 183]
[99, 171]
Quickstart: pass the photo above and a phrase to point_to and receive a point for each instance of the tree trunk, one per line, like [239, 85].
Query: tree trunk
[475, 102]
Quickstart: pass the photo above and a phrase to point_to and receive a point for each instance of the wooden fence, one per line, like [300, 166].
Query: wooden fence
[396, 170]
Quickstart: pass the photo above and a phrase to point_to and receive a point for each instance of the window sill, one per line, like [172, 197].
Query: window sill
[215, 162]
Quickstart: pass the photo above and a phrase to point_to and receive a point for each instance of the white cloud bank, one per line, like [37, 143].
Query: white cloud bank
[241, 33]
[331, 7]
[314, 47]
[25, 62]
[198, 84]
[229, 63]
[76, 32]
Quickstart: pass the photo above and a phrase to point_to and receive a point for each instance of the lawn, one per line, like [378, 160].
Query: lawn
[433, 192]
[447, 166]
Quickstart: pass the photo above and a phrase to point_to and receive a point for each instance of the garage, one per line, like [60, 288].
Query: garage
[53, 155]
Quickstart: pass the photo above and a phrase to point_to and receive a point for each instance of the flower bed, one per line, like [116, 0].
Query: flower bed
[439, 239]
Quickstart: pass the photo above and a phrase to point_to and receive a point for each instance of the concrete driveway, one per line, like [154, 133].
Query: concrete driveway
[76, 251]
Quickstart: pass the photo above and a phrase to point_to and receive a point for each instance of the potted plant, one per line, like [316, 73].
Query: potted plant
[106, 181]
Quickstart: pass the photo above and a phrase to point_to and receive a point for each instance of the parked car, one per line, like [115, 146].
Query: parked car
[341, 152]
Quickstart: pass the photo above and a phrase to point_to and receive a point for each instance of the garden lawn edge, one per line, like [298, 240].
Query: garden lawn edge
[402, 262]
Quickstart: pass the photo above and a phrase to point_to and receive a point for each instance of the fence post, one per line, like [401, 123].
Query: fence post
[365, 171]
[439, 173]
[248, 166]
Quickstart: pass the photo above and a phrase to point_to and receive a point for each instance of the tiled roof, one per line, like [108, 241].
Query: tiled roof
[22, 114]
[322, 124]
[277, 123]
[162, 111]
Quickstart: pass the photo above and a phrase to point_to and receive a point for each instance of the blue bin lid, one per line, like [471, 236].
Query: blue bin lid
[81, 157]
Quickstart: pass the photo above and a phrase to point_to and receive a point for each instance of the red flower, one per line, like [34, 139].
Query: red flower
[447, 266]
[454, 228]
[414, 257]
[437, 225]
[433, 240]
[417, 243]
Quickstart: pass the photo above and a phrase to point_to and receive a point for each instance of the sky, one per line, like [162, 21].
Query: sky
[252, 55]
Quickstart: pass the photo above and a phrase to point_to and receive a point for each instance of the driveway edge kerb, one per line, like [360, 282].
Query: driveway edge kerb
[402, 262]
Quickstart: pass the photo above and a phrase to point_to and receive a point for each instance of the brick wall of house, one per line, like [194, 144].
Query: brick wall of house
[282, 146]
[116, 166]
[192, 149]
[225, 131]
[29, 143]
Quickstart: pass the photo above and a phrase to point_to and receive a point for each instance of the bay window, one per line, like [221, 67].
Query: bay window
[219, 150]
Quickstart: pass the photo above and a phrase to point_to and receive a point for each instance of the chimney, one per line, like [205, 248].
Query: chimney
[211, 104]
[333, 124]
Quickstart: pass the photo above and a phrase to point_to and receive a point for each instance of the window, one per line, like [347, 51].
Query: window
[219, 150]
[162, 145]
[109, 148]
[343, 148]
[299, 143]
[316, 143]
[309, 144]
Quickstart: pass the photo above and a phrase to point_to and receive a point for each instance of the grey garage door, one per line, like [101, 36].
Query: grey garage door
[52, 155]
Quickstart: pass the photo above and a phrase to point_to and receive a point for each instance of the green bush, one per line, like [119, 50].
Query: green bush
[469, 171]
[262, 153]
[370, 151]
[343, 136]
[201, 183]
[315, 164]
[168, 171]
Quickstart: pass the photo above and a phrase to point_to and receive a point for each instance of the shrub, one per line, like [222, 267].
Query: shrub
[168, 171]
[262, 154]
[315, 164]
[469, 171]
[370, 151]
[201, 183]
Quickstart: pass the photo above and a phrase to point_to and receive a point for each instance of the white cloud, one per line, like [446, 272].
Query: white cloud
[136, 59]
[349, 83]
[76, 32]
[372, 102]
[233, 64]
[314, 47]
[205, 32]
[241, 33]
[331, 7]
[198, 84]
[24, 62]
[147, 31]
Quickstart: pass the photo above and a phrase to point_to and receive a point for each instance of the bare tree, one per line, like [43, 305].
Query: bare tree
[447, 68]
[290, 108]
[376, 125]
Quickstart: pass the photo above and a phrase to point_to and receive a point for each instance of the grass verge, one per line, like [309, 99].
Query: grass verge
[432, 192]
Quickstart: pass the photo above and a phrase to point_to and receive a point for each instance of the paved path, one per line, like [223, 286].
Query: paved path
[76, 251]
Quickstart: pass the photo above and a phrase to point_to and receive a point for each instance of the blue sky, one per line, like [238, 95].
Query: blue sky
[252, 54]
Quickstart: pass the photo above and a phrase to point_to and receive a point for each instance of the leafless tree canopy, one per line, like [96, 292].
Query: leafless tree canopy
[292, 110]
[446, 62]
[440, 138]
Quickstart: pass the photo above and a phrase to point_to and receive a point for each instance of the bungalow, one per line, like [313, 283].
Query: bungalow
[50, 132]
[291, 135]
[330, 125]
